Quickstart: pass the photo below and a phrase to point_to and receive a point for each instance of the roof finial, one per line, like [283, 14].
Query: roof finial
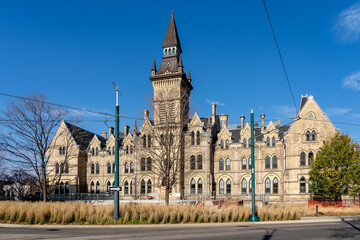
[172, 12]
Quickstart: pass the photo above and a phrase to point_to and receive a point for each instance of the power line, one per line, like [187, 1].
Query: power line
[70, 107]
[281, 59]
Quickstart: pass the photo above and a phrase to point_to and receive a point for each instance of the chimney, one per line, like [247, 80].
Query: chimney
[126, 130]
[111, 131]
[223, 119]
[104, 134]
[242, 117]
[262, 122]
[146, 114]
[213, 116]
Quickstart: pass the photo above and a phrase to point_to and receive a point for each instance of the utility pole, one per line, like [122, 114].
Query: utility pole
[116, 196]
[253, 217]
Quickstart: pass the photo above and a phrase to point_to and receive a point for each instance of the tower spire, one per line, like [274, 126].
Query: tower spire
[172, 38]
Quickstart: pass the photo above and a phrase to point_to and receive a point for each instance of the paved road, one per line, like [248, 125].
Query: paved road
[330, 228]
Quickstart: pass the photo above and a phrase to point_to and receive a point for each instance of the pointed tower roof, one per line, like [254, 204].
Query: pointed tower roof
[189, 76]
[153, 68]
[180, 62]
[135, 131]
[171, 37]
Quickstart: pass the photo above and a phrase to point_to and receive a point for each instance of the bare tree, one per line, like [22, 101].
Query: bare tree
[167, 149]
[21, 183]
[30, 124]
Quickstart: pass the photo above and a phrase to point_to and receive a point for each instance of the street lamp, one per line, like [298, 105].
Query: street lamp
[253, 217]
[116, 196]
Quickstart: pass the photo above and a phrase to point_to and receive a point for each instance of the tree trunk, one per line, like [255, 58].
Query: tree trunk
[44, 189]
[167, 192]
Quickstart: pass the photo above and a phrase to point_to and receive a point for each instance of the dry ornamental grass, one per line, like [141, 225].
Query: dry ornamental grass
[86, 213]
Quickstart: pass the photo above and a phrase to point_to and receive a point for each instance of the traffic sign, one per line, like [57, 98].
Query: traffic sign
[115, 189]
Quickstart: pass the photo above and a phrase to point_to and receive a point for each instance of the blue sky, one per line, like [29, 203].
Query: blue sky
[72, 51]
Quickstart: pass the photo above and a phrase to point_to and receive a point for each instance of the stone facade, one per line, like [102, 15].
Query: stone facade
[215, 157]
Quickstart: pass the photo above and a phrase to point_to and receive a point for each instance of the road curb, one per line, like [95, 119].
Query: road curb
[303, 220]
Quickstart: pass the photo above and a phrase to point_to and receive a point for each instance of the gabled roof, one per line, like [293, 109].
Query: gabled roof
[171, 37]
[83, 137]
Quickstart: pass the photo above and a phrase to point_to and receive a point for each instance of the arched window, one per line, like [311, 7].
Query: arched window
[92, 187]
[243, 186]
[199, 162]
[227, 164]
[309, 185]
[313, 135]
[199, 186]
[267, 162]
[62, 167]
[192, 138]
[310, 158]
[142, 186]
[307, 136]
[222, 144]
[249, 162]
[273, 141]
[171, 139]
[250, 185]
[97, 151]
[302, 159]
[60, 150]
[113, 167]
[165, 52]
[274, 162]
[127, 150]
[221, 164]
[275, 186]
[149, 186]
[109, 150]
[228, 186]
[126, 169]
[131, 149]
[192, 186]
[142, 164]
[92, 168]
[62, 188]
[192, 162]
[197, 138]
[108, 166]
[131, 187]
[67, 188]
[97, 168]
[302, 185]
[144, 141]
[162, 140]
[149, 140]
[243, 163]
[244, 143]
[249, 142]
[97, 187]
[148, 164]
[126, 188]
[92, 151]
[227, 144]
[131, 167]
[107, 186]
[57, 168]
[57, 189]
[221, 186]
[267, 185]
[268, 142]
[113, 150]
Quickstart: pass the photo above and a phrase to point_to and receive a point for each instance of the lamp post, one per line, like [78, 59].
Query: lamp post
[116, 197]
[253, 217]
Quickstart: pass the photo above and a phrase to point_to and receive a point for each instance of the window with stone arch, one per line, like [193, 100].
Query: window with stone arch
[307, 136]
[313, 135]
[273, 142]
[97, 187]
[249, 162]
[250, 186]
[197, 138]
[310, 115]
[149, 186]
[310, 157]
[228, 186]
[57, 168]
[126, 188]
[267, 162]
[92, 169]
[268, 142]
[148, 163]
[302, 185]
[144, 141]
[274, 162]
[131, 167]
[243, 186]
[192, 162]
[192, 186]
[302, 159]
[149, 141]
[221, 164]
[227, 144]
[221, 186]
[108, 166]
[227, 163]
[97, 168]
[113, 167]
[107, 186]
[92, 187]
[249, 142]
[275, 186]
[192, 138]
[126, 168]
[142, 186]
[267, 185]
[243, 163]
[199, 186]
[142, 164]
[109, 150]
[222, 144]
[199, 162]
[245, 143]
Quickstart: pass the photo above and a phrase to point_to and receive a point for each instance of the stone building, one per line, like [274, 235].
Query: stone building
[215, 157]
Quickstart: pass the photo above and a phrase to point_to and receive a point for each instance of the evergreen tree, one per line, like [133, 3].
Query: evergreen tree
[336, 169]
